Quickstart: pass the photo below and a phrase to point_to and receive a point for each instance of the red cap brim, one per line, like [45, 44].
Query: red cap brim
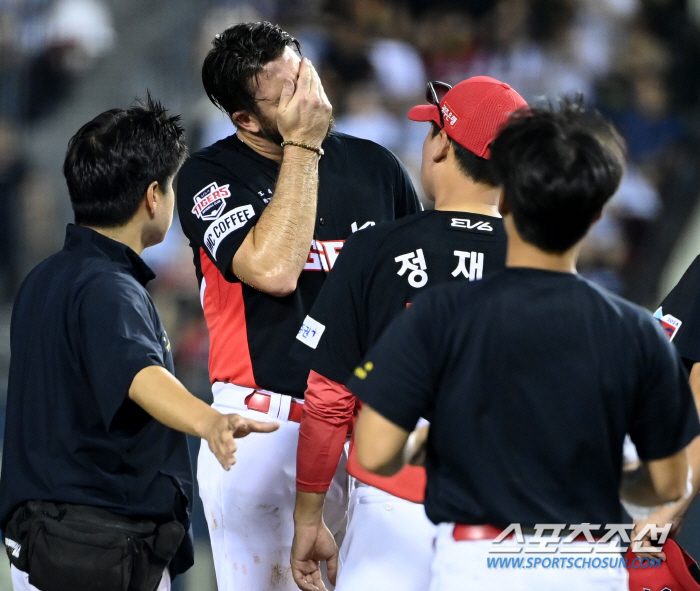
[678, 561]
[424, 113]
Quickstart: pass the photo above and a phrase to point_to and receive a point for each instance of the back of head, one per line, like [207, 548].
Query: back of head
[238, 56]
[558, 168]
[113, 159]
[471, 113]
[475, 168]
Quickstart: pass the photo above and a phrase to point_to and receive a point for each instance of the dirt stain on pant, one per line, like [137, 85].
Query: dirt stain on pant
[277, 576]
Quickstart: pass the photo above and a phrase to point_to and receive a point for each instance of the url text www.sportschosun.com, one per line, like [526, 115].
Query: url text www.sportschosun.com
[571, 562]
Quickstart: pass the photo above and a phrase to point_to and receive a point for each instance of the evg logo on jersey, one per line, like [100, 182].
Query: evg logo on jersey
[467, 225]
[209, 203]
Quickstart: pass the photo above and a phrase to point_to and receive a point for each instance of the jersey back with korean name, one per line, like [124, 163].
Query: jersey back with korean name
[221, 193]
[379, 273]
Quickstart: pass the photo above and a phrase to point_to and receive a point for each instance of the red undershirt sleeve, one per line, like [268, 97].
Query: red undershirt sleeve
[328, 411]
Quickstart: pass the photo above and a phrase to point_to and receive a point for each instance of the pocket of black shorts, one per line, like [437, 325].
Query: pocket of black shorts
[68, 559]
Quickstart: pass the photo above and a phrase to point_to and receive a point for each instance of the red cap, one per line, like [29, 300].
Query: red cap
[676, 573]
[474, 111]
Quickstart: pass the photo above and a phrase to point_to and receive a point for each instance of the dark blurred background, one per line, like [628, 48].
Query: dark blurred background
[638, 61]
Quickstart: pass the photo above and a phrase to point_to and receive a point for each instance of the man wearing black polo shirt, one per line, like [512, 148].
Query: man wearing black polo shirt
[96, 485]
[266, 211]
[532, 377]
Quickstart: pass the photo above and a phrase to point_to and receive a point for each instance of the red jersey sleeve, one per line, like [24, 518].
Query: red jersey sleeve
[328, 412]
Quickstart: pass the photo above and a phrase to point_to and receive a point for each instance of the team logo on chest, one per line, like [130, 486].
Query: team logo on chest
[209, 203]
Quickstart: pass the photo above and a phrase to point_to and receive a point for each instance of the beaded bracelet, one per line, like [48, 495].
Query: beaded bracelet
[316, 149]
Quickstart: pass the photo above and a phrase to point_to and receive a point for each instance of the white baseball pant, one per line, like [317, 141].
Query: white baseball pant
[463, 565]
[388, 545]
[249, 509]
[20, 581]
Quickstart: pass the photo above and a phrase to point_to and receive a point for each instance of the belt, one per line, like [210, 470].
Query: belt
[463, 533]
[260, 402]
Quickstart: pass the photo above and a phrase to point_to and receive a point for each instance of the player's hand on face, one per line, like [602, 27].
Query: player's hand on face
[312, 545]
[304, 110]
[223, 431]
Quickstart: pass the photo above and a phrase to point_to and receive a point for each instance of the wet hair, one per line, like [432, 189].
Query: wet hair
[238, 56]
[558, 167]
[111, 161]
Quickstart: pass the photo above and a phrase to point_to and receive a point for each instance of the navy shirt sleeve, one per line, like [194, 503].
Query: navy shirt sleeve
[216, 210]
[331, 339]
[118, 338]
[679, 314]
[665, 418]
[399, 376]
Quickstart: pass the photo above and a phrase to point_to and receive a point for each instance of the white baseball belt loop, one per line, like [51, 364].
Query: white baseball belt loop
[284, 407]
[275, 404]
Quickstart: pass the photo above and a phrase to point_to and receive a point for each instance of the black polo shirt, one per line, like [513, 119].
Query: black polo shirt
[379, 273]
[531, 379]
[679, 315]
[83, 326]
[221, 192]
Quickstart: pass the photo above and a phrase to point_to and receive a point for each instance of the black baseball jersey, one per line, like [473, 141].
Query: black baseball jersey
[531, 379]
[381, 270]
[679, 315]
[221, 192]
[83, 326]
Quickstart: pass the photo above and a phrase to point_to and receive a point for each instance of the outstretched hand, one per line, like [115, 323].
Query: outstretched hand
[313, 544]
[223, 431]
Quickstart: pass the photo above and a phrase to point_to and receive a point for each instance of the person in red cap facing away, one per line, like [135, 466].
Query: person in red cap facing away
[377, 275]
[531, 378]
[679, 572]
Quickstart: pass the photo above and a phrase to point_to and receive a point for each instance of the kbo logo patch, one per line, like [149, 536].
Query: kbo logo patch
[210, 201]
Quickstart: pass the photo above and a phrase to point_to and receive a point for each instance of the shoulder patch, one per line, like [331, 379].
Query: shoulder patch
[310, 332]
[467, 225]
[209, 203]
[669, 323]
[222, 227]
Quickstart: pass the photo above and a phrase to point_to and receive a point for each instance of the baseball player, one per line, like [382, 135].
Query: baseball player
[266, 211]
[532, 377]
[381, 269]
[679, 316]
[678, 572]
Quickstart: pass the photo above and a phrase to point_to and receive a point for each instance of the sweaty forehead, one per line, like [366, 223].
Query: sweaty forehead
[274, 74]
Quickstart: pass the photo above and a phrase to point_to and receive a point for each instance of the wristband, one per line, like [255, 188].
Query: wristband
[316, 149]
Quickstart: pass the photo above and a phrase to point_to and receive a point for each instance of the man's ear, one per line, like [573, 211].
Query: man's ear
[442, 146]
[503, 208]
[151, 198]
[247, 121]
